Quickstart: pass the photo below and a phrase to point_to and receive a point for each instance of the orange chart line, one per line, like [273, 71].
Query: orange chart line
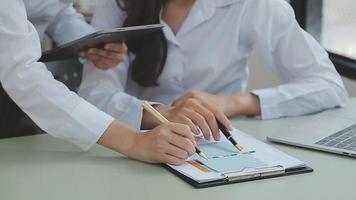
[199, 166]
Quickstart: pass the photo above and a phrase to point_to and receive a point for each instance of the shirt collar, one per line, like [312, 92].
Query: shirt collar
[168, 33]
[202, 11]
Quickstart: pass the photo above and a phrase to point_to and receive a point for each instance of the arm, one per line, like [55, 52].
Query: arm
[106, 90]
[310, 82]
[65, 115]
[68, 24]
[49, 103]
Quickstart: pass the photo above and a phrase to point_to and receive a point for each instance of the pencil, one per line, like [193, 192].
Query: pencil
[162, 119]
[228, 136]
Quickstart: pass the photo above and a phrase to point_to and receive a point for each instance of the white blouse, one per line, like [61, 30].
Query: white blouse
[210, 53]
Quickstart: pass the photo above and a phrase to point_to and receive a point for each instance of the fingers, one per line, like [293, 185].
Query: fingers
[101, 63]
[176, 143]
[220, 116]
[117, 47]
[183, 130]
[181, 100]
[172, 160]
[204, 118]
[200, 121]
[224, 120]
[183, 144]
[210, 119]
[190, 95]
[200, 117]
[185, 120]
[209, 111]
[111, 55]
[108, 57]
[177, 153]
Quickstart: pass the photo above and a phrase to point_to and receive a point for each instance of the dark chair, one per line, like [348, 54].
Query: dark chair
[68, 72]
[14, 122]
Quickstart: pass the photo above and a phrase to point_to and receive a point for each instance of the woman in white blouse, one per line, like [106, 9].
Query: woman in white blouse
[204, 48]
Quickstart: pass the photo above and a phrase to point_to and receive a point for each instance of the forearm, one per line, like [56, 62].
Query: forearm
[244, 104]
[120, 138]
[302, 97]
[71, 22]
[36, 92]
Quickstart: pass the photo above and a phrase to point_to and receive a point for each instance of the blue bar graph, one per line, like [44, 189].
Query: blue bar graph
[224, 157]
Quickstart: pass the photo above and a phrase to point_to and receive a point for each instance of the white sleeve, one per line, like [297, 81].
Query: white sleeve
[48, 102]
[68, 25]
[310, 82]
[107, 15]
[106, 89]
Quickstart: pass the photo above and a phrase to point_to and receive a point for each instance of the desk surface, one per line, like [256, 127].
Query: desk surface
[42, 167]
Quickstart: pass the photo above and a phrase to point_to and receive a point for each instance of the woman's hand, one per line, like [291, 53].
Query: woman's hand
[224, 104]
[109, 57]
[237, 104]
[168, 143]
[200, 111]
[197, 113]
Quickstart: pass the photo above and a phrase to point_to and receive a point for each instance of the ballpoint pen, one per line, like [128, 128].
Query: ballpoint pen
[229, 137]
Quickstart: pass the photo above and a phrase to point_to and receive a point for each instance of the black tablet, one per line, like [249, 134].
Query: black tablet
[98, 39]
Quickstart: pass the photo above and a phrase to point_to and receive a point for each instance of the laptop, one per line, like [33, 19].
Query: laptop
[331, 131]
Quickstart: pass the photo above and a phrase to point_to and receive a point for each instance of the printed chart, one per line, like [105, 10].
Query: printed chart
[224, 157]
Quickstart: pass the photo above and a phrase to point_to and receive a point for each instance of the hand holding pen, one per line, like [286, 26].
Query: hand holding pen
[162, 119]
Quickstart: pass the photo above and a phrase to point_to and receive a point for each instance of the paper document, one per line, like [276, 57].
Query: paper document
[224, 158]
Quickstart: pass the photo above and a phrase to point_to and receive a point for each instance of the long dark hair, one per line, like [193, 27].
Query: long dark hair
[151, 50]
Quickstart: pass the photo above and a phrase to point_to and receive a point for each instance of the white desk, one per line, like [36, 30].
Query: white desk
[41, 167]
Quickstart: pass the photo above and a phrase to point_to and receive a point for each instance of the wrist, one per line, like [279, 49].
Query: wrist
[120, 138]
[231, 105]
[149, 121]
[246, 104]
[164, 110]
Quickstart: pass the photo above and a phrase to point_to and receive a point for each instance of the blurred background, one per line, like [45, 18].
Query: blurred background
[331, 22]
[85, 6]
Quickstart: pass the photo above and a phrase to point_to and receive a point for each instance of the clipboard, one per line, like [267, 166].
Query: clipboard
[226, 166]
[98, 39]
[273, 173]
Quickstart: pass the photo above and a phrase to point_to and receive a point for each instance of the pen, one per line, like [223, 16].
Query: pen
[228, 136]
[162, 119]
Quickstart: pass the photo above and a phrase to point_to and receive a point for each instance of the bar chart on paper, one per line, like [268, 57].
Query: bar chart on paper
[223, 157]
[226, 164]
